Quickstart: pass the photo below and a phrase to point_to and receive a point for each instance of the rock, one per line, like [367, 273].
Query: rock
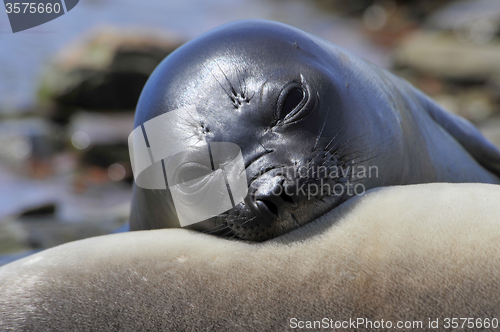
[28, 145]
[459, 14]
[101, 128]
[460, 42]
[458, 53]
[491, 130]
[45, 233]
[475, 105]
[105, 69]
[102, 202]
[13, 236]
[40, 211]
[448, 102]
[23, 138]
[102, 141]
[441, 54]
[20, 194]
[415, 9]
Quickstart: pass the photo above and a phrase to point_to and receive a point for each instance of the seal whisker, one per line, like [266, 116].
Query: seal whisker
[213, 230]
[262, 145]
[265, 82]
[336, 147]
[238, 232]
[320, 132]
[366, 153]
[348, 143]
[231, 231]
[233, 90]
[242, 86]
[364, 160]
[238, 218]
[245, 87]
[253, 218]
[223, 88]
[220, 84]
[333, 138]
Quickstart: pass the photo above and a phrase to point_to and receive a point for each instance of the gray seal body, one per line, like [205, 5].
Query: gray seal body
[416, 253]
[291, 100]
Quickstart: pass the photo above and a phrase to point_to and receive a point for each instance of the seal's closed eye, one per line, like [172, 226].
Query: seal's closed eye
[191, 171]
[292, 101]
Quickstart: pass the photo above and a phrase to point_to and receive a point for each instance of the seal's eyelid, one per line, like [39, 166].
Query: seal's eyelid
[295, 103]
[293, 100]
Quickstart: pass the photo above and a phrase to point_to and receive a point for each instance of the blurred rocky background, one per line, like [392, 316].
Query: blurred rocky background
[68, 90]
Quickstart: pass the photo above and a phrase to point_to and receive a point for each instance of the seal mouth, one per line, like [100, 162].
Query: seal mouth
[242, 224]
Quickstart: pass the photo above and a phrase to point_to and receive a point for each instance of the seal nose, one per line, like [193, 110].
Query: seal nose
[270, 198]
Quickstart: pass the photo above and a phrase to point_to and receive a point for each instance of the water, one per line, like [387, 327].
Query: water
[23, 54]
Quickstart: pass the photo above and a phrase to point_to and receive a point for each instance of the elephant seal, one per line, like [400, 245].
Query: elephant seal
[291, 100]
[430, 255]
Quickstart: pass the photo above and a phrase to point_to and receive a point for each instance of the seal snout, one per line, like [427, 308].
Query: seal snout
[269, 200]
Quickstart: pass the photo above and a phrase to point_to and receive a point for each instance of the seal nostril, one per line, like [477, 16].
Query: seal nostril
[270, 206]
[287, 198]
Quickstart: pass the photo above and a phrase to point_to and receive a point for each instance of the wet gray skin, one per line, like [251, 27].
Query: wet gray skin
[315, 126]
